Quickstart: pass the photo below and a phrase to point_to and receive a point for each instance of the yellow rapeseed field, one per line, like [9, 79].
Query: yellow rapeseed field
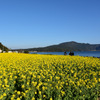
[48, 77]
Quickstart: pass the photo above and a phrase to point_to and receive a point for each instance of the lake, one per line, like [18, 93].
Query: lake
[80, 53]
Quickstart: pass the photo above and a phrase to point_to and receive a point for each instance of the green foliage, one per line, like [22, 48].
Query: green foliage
[2, 47]
[26, 51]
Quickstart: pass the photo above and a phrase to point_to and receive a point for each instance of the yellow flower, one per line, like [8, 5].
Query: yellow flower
[63, 93]
[3, 86]
[40, 92]
[18, 98]
[80, 91]
[35, 92]
[44, 96]
[12, 98]
[4, 94]
[15, 77]
[51, 99]
[23, 86]
[33, 98]
[1, 97]
[18, 92]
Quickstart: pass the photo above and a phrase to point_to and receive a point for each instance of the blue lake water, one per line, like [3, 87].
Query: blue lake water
[80, 53]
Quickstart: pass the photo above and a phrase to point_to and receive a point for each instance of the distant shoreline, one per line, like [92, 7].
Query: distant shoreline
[76, 53]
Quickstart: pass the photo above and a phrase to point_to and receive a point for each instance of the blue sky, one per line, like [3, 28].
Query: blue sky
[39, 23]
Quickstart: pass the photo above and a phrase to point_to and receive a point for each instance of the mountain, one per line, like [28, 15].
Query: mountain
[68, 46]
[2, 47]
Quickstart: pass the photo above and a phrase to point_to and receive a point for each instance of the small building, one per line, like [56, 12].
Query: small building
[34, 51]
[4, 51]
[9, 51]
[20, 51]
[15, 51]
[0, 51]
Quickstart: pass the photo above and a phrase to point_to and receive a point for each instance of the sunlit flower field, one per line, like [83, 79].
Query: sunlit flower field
[48, 77]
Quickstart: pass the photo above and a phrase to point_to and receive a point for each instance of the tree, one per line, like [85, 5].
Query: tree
[26, 51]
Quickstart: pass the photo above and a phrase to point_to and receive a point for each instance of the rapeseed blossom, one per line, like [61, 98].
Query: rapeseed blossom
[48, 77]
